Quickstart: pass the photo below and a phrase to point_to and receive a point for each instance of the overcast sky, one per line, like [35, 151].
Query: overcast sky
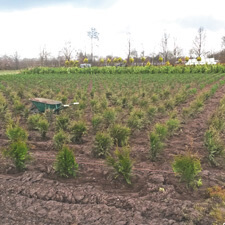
[29, 25]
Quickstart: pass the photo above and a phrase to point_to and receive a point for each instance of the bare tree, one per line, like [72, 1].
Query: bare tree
[60, 59]
[67, 50]
[223, 42]
[93, 35]
[80, 55]
[128, 47]
[177, 51]
[134, 55]
[199, 43]
[44, 54]
[16, 60]
[6, 62]
[164, 46]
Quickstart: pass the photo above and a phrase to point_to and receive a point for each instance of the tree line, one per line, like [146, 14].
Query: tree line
[68, 53]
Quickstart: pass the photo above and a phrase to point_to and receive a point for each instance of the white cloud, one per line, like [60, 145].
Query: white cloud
[28, 30]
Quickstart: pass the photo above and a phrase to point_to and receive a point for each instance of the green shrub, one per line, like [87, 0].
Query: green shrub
[135, 123]
[8, 119]
[154, 98]
[18, 107]
[64, 99]
[65, 164]
[16, 133]
[161, 130]
[197, 104]
[124, 102]
[49, 115]
[217, 122]
[169, 104]
[186, 112]
[173, 114]
[18, 152]
[187, 167]
[20, 93]
[109, 117]
[43, 127]
[122, 163]
[120, 134]
[96, 122]
[156, 145]
[161, 109]
[164, 94]
[62, 122]
[143, 103]
[3, 106]
[214, 144]
[60, 139]
[78, 129]
[214, 89]
[103, 104]
[108, 95]
[32, 121]
[136, 120]
[102, 145]
[180, 98]
[172, 125]
[151, 112]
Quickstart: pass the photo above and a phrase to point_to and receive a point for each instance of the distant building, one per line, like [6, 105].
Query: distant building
[210, 61]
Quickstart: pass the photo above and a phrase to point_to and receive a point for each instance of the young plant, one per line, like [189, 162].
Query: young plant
[96, 122]
[43, 127]
[214, 144]
[62, 123]
[187, 167]
[156, 145]
[120, 134]
[18, 107]
[154, 98]
[172, 125]
[151, 112]
[18, 152]
[78, 129]
[65, 164]
[60, 139]
[33, 121]
[122, 163]
[161, 130]
[102, 145]
[136, 120]
[49, 115]
[109, 117]
[16, 133]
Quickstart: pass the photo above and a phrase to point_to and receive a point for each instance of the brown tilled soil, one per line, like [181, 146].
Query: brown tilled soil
[38, 196]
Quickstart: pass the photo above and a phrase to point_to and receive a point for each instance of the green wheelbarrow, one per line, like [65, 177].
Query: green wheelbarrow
[39, 105]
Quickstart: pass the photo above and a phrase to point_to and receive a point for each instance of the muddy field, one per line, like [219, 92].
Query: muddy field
[39, 196]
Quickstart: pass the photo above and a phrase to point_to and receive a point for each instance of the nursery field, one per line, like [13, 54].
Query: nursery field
[133, 136]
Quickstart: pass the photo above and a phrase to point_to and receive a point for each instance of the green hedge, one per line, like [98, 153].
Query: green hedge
[128, 70]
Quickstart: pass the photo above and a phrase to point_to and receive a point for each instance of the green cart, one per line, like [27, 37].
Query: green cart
[42, 104]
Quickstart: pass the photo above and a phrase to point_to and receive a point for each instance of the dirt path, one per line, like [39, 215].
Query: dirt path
[32, 199]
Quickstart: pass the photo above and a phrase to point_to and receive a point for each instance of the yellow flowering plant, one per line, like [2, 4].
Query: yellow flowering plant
[148, 64]
[199, 59]
[85, 60]
[167, 63]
